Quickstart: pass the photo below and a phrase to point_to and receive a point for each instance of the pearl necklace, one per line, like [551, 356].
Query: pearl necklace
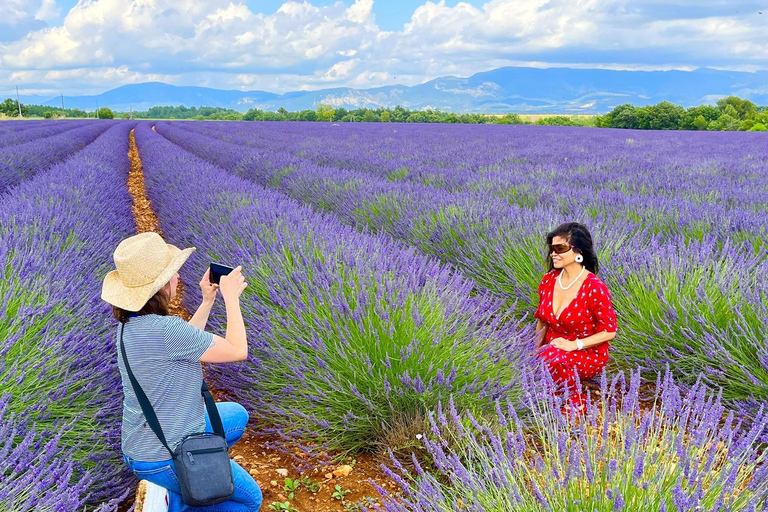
[560, 282]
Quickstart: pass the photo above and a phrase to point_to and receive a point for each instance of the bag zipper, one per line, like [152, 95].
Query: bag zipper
[205, 450]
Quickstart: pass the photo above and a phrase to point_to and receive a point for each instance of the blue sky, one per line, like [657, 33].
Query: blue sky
[49, 47]
[390, 15]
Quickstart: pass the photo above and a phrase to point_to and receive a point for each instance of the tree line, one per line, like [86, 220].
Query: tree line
[731, 113]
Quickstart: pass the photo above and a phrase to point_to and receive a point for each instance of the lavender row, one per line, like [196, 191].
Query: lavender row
[683, 451]
[57, 355]
[22, 161]
[696, 305]
[348, 331]
[39, 481]
[663, 181]
[28, 132]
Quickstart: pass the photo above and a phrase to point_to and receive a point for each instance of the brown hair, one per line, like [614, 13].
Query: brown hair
[157, 305]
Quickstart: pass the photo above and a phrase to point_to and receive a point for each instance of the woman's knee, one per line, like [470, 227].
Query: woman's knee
[233, 412]
[254, 498]
[247, 491]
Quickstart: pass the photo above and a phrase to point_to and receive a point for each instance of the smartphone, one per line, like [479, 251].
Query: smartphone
[217, 271]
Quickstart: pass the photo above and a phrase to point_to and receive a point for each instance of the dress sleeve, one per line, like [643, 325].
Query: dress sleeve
[185, 341]
[602, 308]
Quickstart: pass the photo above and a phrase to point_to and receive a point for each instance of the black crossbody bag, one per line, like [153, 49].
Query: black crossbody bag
[201, 460]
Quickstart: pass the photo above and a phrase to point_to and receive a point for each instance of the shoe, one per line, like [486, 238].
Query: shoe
[151, 497]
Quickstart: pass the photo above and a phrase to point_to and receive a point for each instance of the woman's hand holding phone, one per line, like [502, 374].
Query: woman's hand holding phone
[208, 288]
[233, 284]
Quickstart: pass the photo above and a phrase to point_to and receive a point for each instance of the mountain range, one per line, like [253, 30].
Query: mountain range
[502, 90]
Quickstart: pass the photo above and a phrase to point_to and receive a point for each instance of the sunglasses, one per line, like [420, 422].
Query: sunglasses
[560, 248]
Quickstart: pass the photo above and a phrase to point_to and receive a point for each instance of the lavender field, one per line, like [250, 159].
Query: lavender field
[392, 280]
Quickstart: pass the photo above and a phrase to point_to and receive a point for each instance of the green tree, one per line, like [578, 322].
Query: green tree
[307, 115]
[369, 116]
[399, 115]
[707, 112]
[758, 127]
[666, 116]
[730, 110]
[451, 118]
[432, 116]
[746, 125]
[724, 123]
[700, 123]
[339, 113]
[385, 117]
[742, 108]
[253, 114]
[10, 108]
[416, 117]
[509, 119]
[625, 116]
[105, 113]
[555, 121]
[325, 112]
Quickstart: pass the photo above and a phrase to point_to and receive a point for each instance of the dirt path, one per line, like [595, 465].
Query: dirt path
[270, 467]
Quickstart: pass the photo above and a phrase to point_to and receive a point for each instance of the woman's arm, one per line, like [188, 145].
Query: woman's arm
[541, 333]
[589, 341]
[200, 318]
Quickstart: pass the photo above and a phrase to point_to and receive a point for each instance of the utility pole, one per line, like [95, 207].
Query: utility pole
[18, 102]
[62, 104]
[97, 109]
[131, 111]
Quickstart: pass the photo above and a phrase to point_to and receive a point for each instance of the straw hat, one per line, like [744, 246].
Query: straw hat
[145, 263]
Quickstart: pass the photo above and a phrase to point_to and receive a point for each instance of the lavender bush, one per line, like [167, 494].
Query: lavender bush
[22, 161]
[348, 331]
[683, 452]
[681, 256]
[32, 130]
[37, 471]
[57, 356]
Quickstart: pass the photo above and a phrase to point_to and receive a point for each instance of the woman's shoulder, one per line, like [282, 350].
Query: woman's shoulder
[595, 284]
[548, 277]
[552, 274]
[153, 322]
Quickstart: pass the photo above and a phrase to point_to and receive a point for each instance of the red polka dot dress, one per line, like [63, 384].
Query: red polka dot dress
[589, 313]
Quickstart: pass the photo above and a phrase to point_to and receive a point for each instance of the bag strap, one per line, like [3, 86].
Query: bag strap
[149, 412]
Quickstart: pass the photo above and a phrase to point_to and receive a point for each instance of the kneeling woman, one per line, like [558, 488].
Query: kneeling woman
[576, 319]
[164, 353]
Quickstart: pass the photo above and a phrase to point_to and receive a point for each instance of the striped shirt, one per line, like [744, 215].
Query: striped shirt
[164, 353]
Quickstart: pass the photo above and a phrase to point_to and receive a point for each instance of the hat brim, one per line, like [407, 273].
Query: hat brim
[116, 293]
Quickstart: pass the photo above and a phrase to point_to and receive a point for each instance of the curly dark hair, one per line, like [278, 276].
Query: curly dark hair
[157, 305]
[578, 236]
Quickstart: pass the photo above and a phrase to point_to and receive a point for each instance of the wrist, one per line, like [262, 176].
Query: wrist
[579, 344]
[233, 301]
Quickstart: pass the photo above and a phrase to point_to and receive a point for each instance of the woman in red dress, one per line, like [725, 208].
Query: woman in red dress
[576, 320]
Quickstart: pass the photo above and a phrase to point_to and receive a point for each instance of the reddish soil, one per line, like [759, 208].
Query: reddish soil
[315, 491]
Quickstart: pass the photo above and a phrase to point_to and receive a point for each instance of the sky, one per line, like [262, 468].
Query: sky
[51, 47]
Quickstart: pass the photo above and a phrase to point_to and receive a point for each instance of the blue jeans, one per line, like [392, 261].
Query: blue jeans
[247, 496]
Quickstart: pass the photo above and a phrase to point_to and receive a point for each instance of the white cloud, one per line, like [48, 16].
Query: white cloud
[14, 11]
[48, 10]
[222, 43]
[341, 69]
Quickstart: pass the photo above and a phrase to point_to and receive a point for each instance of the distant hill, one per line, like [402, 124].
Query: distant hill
[509, 89]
